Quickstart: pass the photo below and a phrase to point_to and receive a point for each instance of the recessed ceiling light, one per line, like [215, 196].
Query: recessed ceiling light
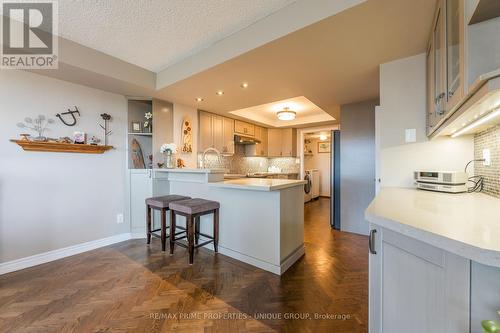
[244, 85]
[286, 114]
[199, 99]
[220, 93]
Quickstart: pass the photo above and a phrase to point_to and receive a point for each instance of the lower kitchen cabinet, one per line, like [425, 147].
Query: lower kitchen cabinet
[415, 287]
[141, 186]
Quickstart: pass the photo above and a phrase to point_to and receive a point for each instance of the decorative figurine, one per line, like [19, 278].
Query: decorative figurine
[106, 117]
[150, 161]
[79, 138]
[147, 125]
[70, 112]
[94, 141]
[180, 163]
[39, 125]
[25, 137]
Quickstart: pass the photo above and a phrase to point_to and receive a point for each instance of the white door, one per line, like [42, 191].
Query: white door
[141, 188]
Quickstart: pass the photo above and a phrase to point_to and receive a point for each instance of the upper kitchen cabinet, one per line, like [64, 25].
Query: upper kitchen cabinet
[258, 149]
[205, 128]
[274, 142]
[289, 142]
[282, 142]
[244, 128]
[455, 52]
[215, 132]
[463, 57]
[445, 62]
[228, 136]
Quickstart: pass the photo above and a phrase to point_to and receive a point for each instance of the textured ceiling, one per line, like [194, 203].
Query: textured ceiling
[332, 62]
[155, 34]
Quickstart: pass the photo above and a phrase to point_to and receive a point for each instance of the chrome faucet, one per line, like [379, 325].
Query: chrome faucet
[213, 150]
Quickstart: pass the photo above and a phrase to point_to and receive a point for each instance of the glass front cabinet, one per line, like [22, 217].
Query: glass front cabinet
[445, 62]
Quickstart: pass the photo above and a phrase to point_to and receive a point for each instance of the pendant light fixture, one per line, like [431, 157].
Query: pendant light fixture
[286, 114]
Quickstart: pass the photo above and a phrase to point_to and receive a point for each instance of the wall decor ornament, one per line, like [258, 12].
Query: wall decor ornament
[137, 157]
[106, 117]
[39, 125]
[187, 136]
[72, 122]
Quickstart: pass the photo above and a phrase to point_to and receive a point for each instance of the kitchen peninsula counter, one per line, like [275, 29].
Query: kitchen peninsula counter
[261, 220]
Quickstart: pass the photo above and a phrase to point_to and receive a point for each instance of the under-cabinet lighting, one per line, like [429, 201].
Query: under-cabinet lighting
[495, 113]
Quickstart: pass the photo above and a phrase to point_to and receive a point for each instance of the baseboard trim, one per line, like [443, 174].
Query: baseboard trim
[292, 258]
[275, 269]
[42, 258]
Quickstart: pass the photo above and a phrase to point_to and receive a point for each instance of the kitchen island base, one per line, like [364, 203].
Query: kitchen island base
[261, 220]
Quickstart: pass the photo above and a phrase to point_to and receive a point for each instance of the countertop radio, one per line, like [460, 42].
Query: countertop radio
[442, 181]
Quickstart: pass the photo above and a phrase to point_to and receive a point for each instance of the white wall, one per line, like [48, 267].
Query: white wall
[403, 106]
[180, 112]
[53, 200]
[320, 161]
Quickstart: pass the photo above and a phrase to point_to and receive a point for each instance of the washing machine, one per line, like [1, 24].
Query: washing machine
[307, 186]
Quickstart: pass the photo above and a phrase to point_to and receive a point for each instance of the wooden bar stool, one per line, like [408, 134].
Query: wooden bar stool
[161, 204]
[193, 209]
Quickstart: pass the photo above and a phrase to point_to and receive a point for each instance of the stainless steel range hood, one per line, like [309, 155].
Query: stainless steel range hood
[245, 140]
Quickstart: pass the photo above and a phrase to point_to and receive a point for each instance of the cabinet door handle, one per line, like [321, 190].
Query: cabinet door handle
[371, 241]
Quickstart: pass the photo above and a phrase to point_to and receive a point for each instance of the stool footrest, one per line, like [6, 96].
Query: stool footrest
[196, 246]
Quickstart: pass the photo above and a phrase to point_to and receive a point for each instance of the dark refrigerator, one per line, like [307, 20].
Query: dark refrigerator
[335, 180]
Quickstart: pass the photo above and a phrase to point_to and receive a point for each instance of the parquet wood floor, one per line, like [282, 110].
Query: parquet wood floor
[130, 287]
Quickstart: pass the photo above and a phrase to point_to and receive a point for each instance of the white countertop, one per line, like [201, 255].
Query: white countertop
[258, 184]
[465, 224]
[187, 170]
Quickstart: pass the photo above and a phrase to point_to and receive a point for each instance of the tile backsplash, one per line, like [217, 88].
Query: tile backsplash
[239, 163]
[489, 139]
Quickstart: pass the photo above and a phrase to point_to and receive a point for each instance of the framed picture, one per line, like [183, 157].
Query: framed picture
[135, 127]
[324, 147]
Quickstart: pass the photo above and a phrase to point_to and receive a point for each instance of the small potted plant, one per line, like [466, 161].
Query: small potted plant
[169, 149]
[490, 326]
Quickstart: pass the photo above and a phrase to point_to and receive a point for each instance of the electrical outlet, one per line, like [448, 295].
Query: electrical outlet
[119, 218]
[486, 157]
[410, 135]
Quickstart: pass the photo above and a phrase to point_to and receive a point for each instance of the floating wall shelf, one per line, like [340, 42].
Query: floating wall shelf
[61, 147]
